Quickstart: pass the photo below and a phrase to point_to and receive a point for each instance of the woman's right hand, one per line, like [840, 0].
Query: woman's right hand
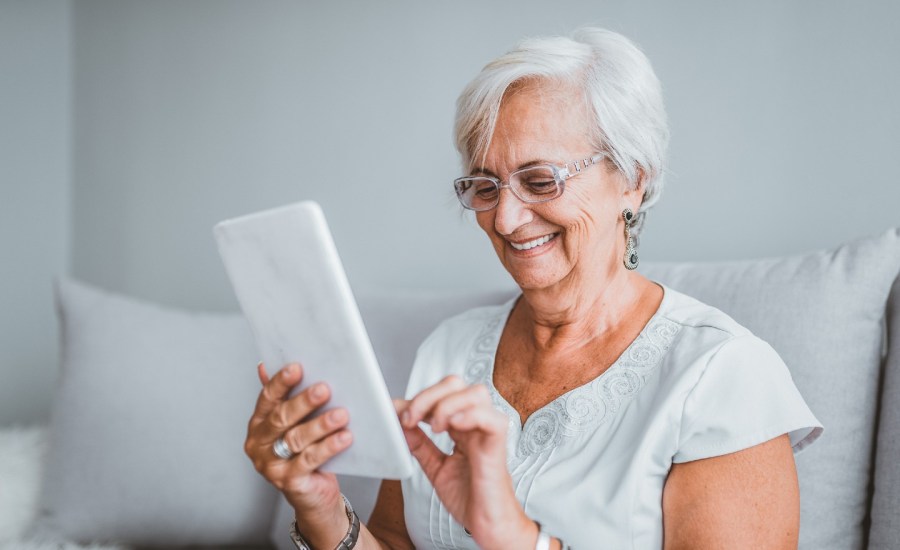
[314, 495]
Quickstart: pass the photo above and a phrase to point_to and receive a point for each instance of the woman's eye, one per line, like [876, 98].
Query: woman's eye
[486, 191]
[541, 186]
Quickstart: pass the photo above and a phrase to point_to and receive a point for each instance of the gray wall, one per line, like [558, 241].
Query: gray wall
[35, 78]
[784, 118]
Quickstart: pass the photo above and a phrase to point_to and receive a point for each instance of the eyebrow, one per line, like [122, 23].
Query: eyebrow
[529, 164]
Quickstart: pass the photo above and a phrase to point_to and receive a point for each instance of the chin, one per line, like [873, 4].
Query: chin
[535, 274]
[535, 281]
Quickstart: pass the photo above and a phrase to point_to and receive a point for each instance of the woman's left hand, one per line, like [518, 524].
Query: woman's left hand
[472, 481]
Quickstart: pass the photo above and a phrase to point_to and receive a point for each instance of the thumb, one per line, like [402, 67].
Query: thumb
[261, 372]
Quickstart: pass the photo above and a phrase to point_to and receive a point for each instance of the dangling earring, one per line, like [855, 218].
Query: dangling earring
[631, 258]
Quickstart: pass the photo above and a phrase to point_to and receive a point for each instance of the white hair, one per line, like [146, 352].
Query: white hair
[618, 83]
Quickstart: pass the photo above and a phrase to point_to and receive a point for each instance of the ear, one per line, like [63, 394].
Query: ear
[632, 198]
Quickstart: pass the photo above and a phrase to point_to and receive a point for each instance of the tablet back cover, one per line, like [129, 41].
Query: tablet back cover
[292, 289]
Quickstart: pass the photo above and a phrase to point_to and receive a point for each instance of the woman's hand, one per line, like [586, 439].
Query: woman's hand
[314, 495]
[472, 481]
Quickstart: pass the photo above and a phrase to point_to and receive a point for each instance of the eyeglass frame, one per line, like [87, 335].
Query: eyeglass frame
[560, 175]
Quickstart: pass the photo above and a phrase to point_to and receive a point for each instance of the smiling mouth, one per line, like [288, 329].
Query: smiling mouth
[534, 243]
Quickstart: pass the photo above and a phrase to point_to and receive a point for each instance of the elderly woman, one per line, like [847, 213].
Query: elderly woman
[598, 409]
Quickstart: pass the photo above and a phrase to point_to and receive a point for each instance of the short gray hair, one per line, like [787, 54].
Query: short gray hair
[618, 84]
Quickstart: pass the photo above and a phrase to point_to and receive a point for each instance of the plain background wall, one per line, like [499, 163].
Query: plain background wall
[785, 132]
[784, 120]
[35, 171]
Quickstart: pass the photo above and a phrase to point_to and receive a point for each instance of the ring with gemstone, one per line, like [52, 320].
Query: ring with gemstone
[281, 449]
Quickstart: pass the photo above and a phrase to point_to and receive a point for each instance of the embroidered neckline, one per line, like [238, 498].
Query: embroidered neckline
[581, 408]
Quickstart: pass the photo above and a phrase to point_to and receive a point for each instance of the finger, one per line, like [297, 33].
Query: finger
[261, 372]
[400, 405]
[471, 396]
[288, 414]
[420, 406]
[277, 389]
[428, 455]
[487, 420]
[311, 432]
[313, 456]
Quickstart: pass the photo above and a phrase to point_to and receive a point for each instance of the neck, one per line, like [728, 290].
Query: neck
[574, 312]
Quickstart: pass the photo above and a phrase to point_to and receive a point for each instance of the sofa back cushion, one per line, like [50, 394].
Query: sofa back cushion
[824, 313]
[885, 530]
[147, 431]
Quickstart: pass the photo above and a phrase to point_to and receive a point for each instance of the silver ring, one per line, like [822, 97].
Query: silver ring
[281, 449]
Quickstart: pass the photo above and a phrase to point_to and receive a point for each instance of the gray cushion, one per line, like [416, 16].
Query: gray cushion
[146, 436]
[885, 529]
[823, 313]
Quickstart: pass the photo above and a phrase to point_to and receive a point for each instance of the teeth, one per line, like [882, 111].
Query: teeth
[532, 244]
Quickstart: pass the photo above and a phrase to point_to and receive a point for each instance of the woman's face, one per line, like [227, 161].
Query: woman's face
[584, 225]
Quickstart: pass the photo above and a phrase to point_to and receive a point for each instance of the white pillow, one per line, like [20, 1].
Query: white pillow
[146, 436]
[21, 455]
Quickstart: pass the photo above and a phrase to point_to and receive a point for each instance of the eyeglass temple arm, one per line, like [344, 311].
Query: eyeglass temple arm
[580, 165]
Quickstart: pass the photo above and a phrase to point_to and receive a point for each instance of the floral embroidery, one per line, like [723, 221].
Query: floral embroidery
[584, 407]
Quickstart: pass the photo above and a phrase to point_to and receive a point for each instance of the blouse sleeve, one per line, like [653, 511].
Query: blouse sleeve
[744, 397]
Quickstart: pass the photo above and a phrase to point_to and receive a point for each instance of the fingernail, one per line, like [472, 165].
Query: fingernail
[318, 391]
[344, 437]
[337, 415]
[290, 370]
[404, 418]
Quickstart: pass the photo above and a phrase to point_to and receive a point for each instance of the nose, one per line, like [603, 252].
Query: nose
[510, 213]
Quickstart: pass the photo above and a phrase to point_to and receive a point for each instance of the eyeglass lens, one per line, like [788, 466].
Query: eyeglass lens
[536, 184]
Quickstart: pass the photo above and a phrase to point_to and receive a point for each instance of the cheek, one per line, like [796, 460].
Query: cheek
[588, 228]
[485, 221]
[597, 213]
[578, 219]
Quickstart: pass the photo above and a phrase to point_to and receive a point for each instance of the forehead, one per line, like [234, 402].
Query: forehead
[540, 121]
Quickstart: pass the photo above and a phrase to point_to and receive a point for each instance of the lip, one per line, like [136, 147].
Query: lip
[531, 252]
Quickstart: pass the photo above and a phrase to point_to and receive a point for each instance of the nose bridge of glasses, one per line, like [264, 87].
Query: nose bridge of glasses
[511, 210]
[508, 184]
[514, 183]
[500, 186]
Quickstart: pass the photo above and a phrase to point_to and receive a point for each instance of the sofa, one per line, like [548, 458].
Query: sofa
[144, 446]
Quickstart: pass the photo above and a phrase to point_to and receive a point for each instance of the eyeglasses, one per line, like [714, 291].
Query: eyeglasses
[534, 184]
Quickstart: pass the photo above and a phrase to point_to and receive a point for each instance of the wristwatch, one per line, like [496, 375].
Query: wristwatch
[347, 543]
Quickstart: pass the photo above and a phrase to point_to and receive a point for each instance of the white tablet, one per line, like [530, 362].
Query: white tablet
[292, 288]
